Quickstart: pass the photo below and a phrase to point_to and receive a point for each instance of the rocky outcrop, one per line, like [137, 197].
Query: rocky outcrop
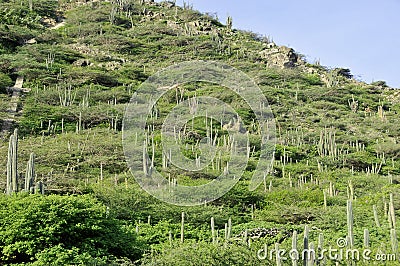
[167, 4]
[256, 233]
[279, 56]
[49, 22]
[260, 233]
[111, 66]
[82, 62]
[234, 125]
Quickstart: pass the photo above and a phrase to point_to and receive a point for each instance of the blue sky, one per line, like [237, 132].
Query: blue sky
[363, 35]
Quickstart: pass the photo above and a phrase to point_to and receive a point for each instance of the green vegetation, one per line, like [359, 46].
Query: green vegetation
[337, 140]
[60, 230]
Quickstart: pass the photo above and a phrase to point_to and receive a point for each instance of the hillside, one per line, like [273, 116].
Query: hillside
[76, 66]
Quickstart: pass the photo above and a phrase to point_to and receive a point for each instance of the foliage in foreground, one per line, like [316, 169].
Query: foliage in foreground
[61, 230]
[202, 253]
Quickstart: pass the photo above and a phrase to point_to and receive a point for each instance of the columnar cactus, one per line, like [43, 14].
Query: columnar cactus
[392, 213]
[393, 241]
[39, 188]
[228, 236]
[350, 233]
[366, 238]
[182, 227]
[229, 22]
[213, 230]
[146, 167]
[320, 261]
[30, 173]
[305, 244]
[9, 171]
[12, 171]
[294, 247]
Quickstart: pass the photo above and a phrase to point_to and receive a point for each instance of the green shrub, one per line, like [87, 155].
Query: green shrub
[5, 81]
[78, 228]
[205, 254]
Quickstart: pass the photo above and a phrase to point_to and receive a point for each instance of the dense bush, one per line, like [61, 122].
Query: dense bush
[61, 230]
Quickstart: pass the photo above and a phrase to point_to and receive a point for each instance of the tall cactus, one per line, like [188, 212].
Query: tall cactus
[393, 241]
[306, 244]
[9, 171]
[228, 235]
[350, 234]
[12, 169]
[30, 173]
[183, 227]
[294, 247]
[213, 230]
[376, 218]
[366, 238]
[392, 213]
[229, 22]
[39, 188]
[320, 261]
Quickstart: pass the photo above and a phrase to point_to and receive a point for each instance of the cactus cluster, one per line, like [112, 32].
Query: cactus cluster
[12, 170]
